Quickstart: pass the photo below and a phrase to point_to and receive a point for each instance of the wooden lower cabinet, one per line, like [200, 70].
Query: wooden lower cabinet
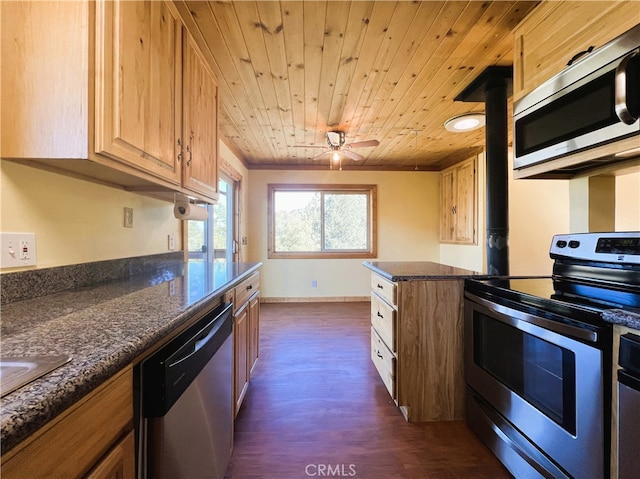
[241, 370]
[246, 334]
[119, 463]
[417, 347]
[254, 333]
[93, 438]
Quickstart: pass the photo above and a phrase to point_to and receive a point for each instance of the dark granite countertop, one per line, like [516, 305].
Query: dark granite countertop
[623, 317]
[419, 270]
[103, 328]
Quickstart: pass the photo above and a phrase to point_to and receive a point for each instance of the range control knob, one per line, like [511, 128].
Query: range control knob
[574, 244]
[561, 244]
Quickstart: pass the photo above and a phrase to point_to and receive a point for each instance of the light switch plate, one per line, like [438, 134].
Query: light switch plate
[18, 250]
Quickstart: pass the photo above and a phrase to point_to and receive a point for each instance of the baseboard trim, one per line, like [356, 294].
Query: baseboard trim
[317, 299]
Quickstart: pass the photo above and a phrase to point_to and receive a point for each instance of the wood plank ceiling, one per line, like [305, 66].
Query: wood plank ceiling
[289, 71]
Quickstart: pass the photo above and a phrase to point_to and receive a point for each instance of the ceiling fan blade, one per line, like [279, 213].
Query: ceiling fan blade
[352, 155]
[362, 144]
[310, 146]
[321, 155]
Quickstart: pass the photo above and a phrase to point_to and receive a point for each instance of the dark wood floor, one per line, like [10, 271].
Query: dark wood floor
[317, 408]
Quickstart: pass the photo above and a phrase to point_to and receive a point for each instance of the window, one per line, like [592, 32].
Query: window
[322, 221]
[212, 241]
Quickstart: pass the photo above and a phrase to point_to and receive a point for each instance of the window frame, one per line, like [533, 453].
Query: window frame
[370, 190]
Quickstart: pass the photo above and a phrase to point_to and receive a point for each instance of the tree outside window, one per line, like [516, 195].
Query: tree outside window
[322, 221]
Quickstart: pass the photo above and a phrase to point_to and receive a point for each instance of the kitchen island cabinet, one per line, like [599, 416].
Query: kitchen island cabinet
[417, 337]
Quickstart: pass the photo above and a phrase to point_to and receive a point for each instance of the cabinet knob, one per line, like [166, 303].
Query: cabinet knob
[380, 315]
[250, 287]
[380, 286]
[379, 355]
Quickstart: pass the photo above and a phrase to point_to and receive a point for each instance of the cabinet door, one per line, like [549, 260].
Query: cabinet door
[554, 32]
[241, 334]
[119, 463]
[458, 203]
[254, 332]
[465, 208]
[200, 124]
[138, 85]
[447, 205]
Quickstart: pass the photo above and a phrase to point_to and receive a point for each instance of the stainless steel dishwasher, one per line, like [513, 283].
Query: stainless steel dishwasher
[629, 407]
[186, 402]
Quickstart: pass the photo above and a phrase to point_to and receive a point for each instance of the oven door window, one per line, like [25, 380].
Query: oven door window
[540, 372]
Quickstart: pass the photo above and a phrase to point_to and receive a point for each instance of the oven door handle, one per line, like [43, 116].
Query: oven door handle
[512, 316]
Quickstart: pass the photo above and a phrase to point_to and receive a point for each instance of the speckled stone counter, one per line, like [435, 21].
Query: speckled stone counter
[419, 270]
[623, 317]
[103, 328]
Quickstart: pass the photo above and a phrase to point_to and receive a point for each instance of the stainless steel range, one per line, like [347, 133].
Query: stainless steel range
[538, 357]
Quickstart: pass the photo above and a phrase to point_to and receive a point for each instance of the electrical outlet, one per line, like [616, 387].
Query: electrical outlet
[128, 217]
[18, 249]
[244, 241]
[171, 238]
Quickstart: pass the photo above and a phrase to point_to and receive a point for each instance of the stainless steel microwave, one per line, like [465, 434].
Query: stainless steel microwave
[592, 102]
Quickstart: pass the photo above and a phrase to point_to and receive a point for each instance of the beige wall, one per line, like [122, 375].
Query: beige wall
[407, 231]
[538, 209]
[627, 200]
[77, 221]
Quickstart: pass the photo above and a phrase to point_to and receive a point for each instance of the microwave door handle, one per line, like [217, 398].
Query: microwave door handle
[622, 110]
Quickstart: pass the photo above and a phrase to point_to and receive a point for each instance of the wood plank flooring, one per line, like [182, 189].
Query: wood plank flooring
[317, 408]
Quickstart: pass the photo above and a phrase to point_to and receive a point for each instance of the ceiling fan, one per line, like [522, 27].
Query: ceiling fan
[337, 147]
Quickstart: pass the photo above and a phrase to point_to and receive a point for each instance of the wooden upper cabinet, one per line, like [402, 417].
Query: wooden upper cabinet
[555, 32]
[200, 123]
[110, 91]
[458, 203]
[138, 48]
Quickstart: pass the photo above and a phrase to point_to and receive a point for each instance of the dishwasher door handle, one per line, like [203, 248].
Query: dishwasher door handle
[168, 373]
[191, 348]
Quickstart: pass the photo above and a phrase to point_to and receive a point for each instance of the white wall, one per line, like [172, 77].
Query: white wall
[407, 231]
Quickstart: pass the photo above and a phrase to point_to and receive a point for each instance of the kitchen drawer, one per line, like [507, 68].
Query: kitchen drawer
[386, 289]
[383, 319]
[244, 290]
[384, 361]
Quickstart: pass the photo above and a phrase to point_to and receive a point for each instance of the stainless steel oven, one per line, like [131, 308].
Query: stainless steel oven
[538, 357]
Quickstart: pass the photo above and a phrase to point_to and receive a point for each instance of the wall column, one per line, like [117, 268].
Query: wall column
[592, 202]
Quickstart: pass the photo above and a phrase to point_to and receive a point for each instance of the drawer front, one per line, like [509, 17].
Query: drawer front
[386, 289]
[384, 361]
[383, 319]
[245, 289]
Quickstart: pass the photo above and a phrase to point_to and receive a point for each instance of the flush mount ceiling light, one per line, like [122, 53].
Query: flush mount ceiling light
[465, 122]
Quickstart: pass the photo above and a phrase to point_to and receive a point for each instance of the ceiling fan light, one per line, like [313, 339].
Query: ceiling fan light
[335, 156]
[465, 122]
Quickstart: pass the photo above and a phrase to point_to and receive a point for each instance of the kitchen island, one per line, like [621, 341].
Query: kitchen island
[417, 336]
[105, 328]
